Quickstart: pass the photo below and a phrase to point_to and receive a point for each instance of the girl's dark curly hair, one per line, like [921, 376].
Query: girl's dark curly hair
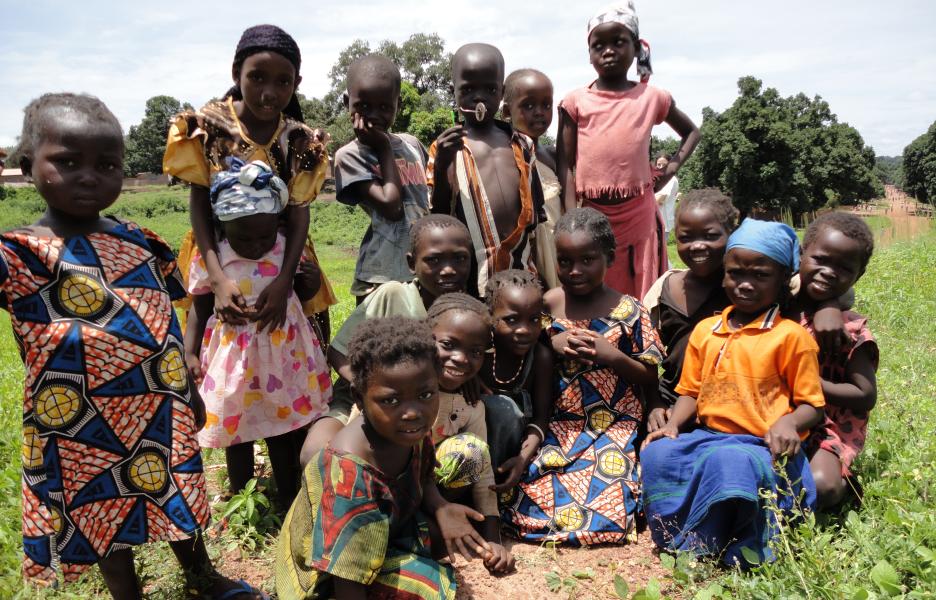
[381, 343]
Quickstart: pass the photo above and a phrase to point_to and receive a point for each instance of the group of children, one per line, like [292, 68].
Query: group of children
[467, 398]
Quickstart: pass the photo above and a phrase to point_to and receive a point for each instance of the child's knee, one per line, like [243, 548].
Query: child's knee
[830, 486]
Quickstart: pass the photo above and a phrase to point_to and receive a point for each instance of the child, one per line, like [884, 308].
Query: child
[604, 138]
[257, 119]
[359, 526]
[483, 172]
[583, 487]
[518, 372]
[666, 195]
[110, 459]
[836, 250]
[257, 384]
[385, 173]
[752, 378]
[681, 298]
[461, 327]
[440, 259]
[528, 104]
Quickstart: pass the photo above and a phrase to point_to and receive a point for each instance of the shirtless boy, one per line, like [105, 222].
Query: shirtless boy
[483, 172]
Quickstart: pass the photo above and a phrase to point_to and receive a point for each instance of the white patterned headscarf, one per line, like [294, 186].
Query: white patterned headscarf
[625, 14]
[247, 189]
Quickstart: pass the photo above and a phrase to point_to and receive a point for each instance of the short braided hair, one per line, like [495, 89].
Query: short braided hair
[437, 221]
[509, 278]
[458, 302]
[386, 342]
[714, 200]
[849, 225]
[592, 222]
[44, 111]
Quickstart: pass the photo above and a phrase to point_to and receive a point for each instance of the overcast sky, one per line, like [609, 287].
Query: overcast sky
[874, 62]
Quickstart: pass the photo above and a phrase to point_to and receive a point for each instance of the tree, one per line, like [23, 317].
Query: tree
[772, 153]
[889, 170]
[919, 166]
[146, 142]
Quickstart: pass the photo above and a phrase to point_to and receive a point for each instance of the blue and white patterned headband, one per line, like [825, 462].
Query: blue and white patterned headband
[247, 189]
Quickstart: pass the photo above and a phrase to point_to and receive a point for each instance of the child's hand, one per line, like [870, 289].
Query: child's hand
[514, 467]
[501, 560]
[193, 364]
[229, 302]
[198, 410]
[669, 430]
[782, 438]
[271, 304]
[604, 352]
[658, 417]
[459, 534]
[472, 390]
[830, 330]
[369, 135]
[308, 280]
[448, 144]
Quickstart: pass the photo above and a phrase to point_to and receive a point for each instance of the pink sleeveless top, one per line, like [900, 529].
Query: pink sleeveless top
[613, 156]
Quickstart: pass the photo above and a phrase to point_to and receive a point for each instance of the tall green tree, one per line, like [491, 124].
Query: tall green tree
[146, 142]
[772, 153]
[919, 166]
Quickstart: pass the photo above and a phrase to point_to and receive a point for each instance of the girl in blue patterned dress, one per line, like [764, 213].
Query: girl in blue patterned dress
[583, 487]
[110, 459]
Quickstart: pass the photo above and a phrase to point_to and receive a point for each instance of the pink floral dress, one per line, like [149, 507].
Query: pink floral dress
[257, 384]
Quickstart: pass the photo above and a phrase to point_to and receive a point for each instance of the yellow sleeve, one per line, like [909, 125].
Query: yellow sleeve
[305, 185]
[185, 155]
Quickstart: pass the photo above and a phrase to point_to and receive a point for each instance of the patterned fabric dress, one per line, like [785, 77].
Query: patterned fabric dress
[110, 458]
[351, 521]
[583, 487]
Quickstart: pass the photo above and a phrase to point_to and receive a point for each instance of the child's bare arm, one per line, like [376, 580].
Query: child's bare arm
[227, 296]
[689, 134]
[566, 148]
[447, 146]
[386, 194]
[339, 362]
[859, 391]
[198, 316]
[683, 413]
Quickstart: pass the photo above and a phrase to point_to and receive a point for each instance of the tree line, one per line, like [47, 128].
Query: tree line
[771, 153]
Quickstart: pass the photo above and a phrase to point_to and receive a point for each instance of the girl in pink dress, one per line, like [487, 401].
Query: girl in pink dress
[257, 383]
[604, 147]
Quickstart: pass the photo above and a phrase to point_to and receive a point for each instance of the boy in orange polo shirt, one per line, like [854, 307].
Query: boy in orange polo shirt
[752, 379]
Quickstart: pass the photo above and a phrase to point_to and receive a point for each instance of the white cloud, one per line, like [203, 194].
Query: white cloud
[876, 66]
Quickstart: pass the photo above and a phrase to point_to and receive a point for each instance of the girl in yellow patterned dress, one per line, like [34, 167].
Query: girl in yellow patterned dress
[257, 119]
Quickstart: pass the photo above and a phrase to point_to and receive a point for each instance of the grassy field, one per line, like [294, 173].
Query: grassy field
[886, 548]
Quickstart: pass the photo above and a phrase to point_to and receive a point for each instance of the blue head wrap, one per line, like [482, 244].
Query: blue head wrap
[247, 189]
[776, 241]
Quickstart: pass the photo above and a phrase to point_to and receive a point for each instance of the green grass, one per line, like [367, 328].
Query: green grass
[885, 548]
[888, 546]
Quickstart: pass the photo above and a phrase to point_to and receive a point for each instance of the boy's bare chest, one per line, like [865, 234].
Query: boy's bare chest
[500, 178]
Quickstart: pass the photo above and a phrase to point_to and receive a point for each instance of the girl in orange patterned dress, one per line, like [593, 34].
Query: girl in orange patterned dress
[110, 459]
